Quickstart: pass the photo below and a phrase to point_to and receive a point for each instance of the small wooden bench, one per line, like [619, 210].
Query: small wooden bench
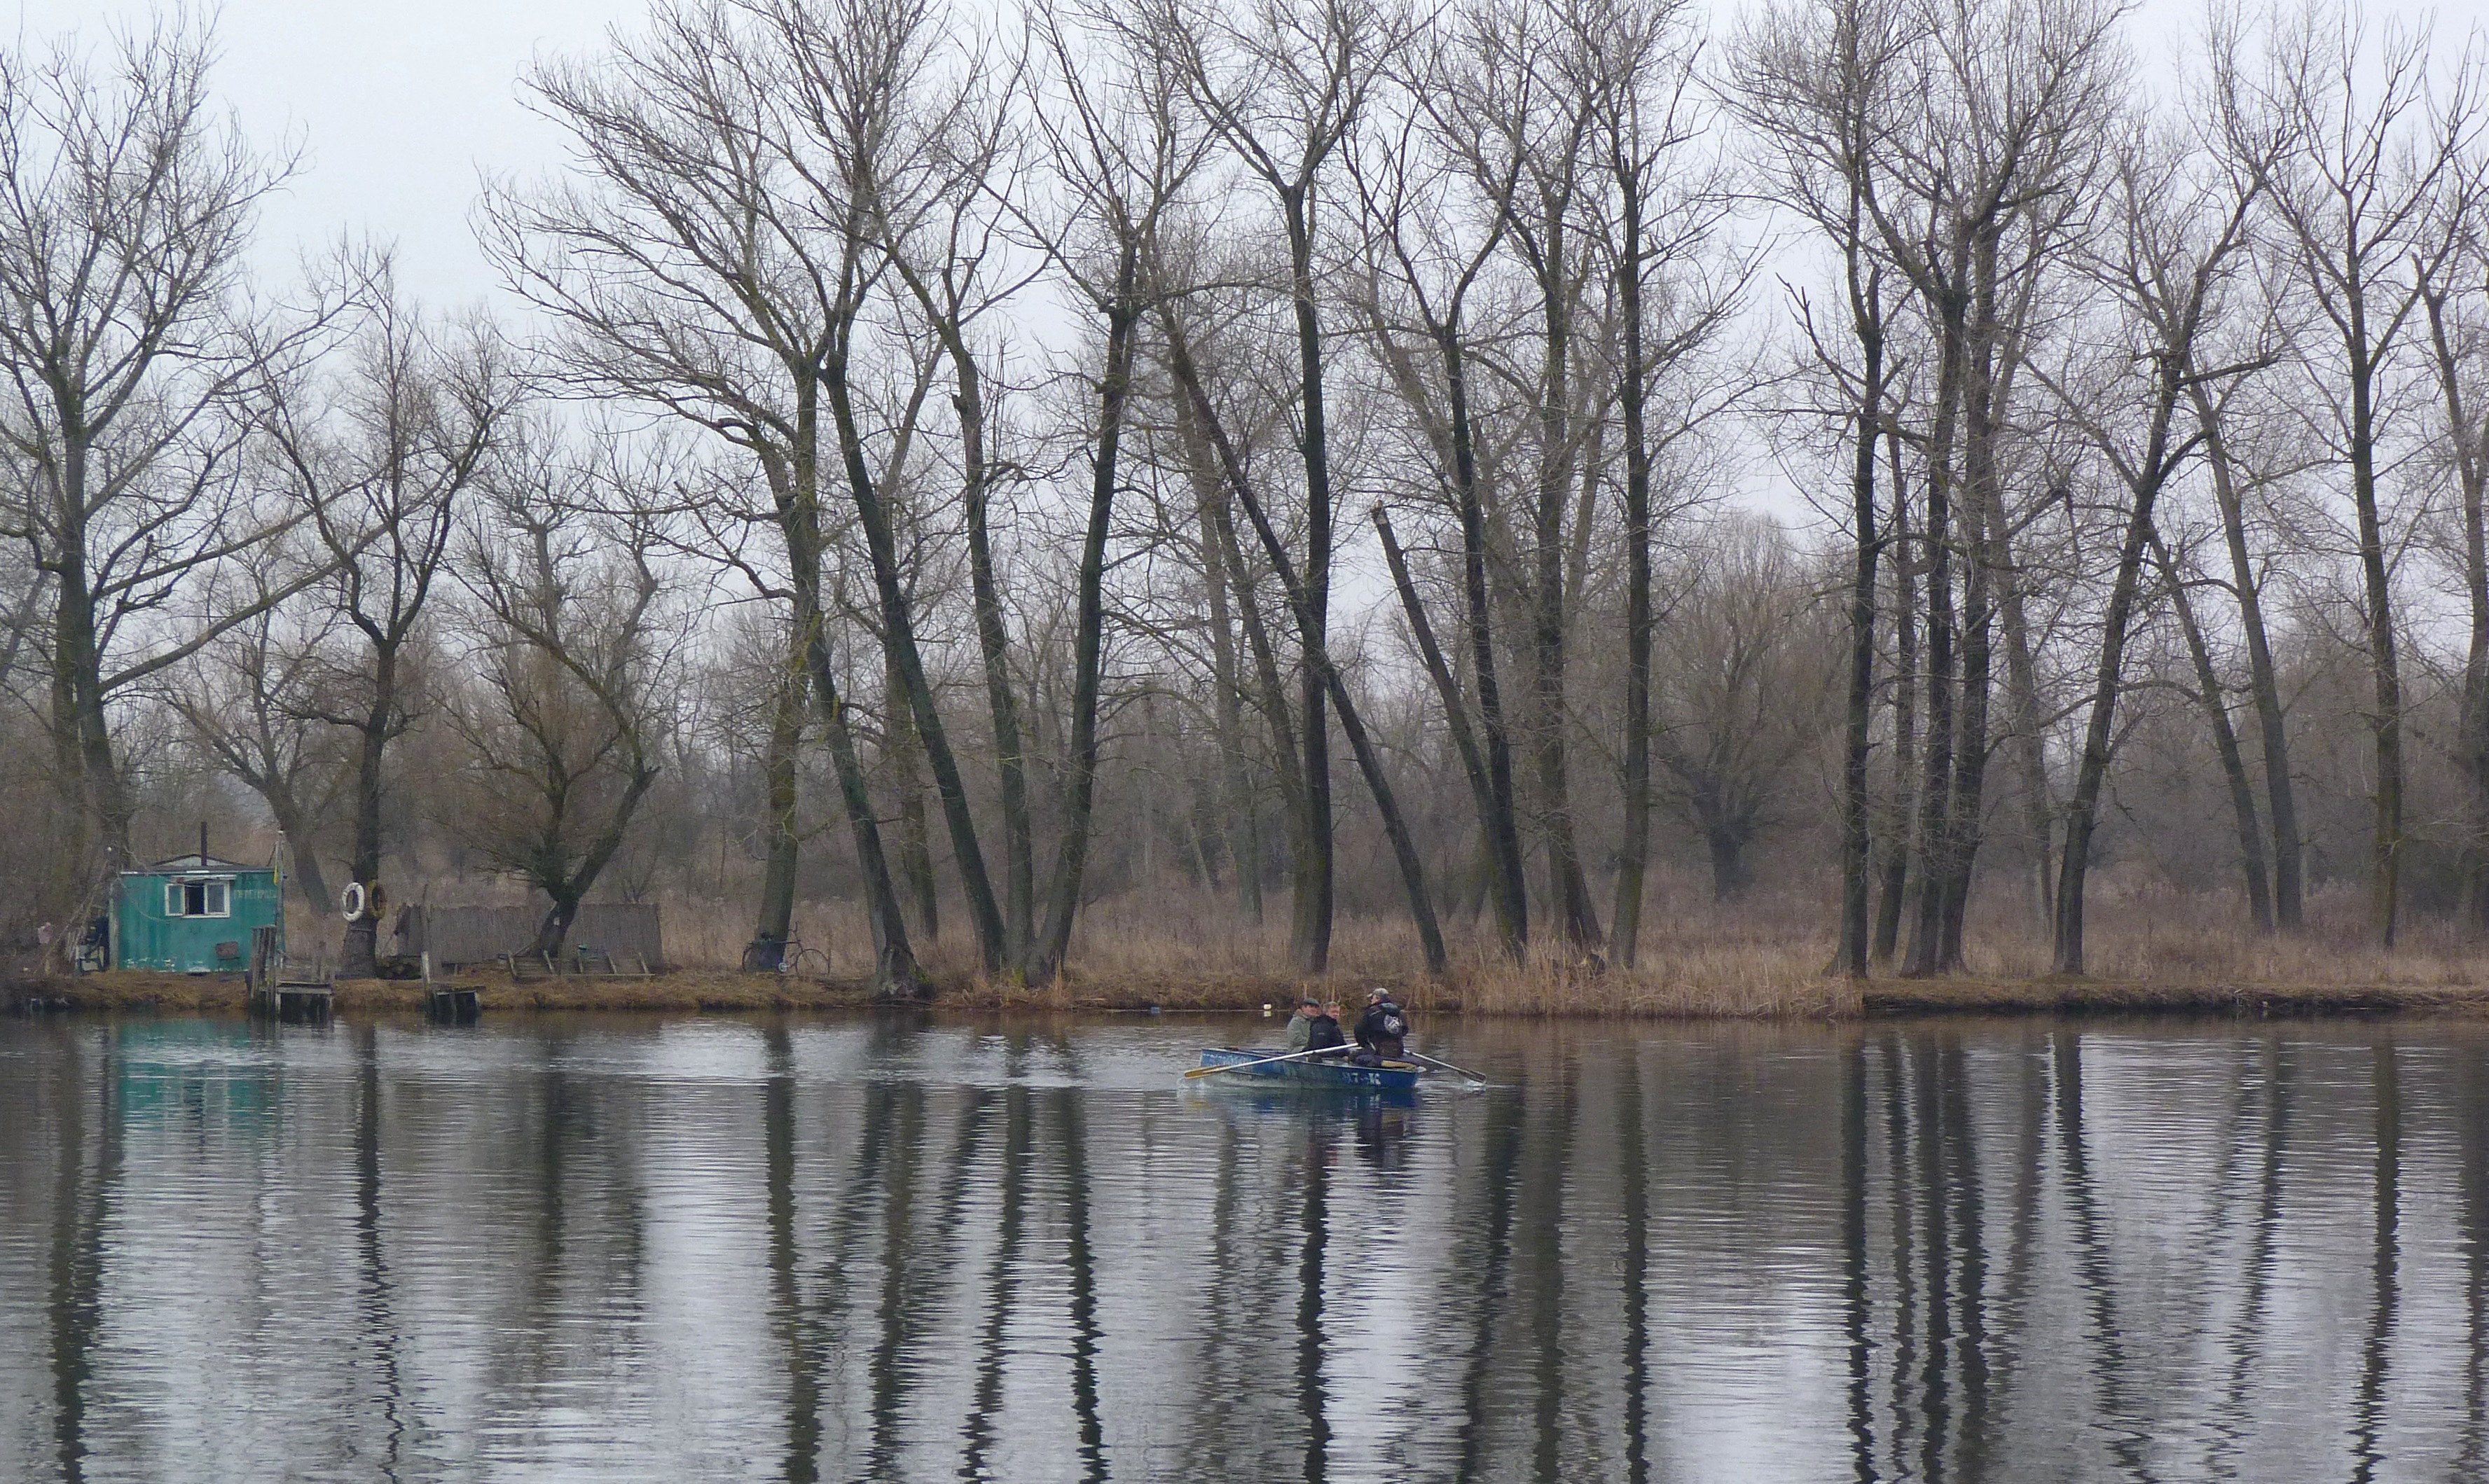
[608, 963]
[455, 1004]
[524, 967]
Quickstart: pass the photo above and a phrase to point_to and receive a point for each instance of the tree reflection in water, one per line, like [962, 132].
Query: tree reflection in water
[905, 1249]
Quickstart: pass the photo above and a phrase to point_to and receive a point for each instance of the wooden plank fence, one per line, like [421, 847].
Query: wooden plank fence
[619, 932]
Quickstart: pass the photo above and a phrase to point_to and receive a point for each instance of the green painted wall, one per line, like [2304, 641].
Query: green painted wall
[144, 936]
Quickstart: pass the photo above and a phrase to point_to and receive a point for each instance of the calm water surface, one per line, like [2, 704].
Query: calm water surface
[943, 1250]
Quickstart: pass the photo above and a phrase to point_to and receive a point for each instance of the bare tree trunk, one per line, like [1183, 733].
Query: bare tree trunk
[1455, 716]
[2468, 439]
[1314, 871]
[1271, 691]
[2082, 810]
[1965, 812]
[2264, 687]
[1565, 881]
[1088, 644]
[1898, 845]
[1235, 785]
[1503, 824]
[896, 972]
[1019, 869]
[783, 841]
[898, 638]
[1850, 954]
[310, 882]
[2386, 723]
[1634, 855]
[2226, 742]
[1937, 784]
[552, 930]
[82, 739]
[1980, 519]
[2028, 744]
[1404, 849]
[901, 752]
[355, 958]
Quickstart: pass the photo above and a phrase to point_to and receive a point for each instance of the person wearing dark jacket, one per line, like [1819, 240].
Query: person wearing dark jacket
[1313, 1028]
[1380, 1031]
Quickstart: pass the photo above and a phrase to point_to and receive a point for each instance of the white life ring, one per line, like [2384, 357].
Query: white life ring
[351, 901]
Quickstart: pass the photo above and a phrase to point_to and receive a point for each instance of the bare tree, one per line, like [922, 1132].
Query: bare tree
[2168, 259]
[574, 640]
[1424, 258]
[380, 454]
[1664, 211]
[1810, 82]
[2458, 342]
[850, 144]
[2364, 149]
[951, 256]
[1283, 84]
[2230, 488]
[1549, 238]
[683, 267]
[1123, 154]
[2225, 737]
[1739, 690]
[1317, 657]
[126, 205]
[251, 701]
[1998, 107]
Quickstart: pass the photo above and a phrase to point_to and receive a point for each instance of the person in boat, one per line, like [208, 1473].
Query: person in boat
[1301, 1025]
[1323, 1034]
[1380, 1030]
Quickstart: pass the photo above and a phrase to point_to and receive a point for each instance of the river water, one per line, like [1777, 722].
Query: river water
[904, 1248]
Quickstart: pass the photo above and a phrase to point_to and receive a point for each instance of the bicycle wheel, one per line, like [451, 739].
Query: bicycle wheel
[809, 963]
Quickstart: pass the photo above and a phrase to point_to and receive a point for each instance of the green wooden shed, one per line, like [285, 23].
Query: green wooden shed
[193, 914]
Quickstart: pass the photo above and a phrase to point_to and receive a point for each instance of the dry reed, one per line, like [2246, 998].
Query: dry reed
[1762, 958]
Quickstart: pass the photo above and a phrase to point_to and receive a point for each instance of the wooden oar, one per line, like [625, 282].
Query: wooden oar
[1417, 1056]
[1203, 1072]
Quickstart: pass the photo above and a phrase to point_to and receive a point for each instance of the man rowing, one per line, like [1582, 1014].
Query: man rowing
[1380, 1030]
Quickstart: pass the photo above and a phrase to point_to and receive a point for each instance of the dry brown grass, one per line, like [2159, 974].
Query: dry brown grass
[1764, 958]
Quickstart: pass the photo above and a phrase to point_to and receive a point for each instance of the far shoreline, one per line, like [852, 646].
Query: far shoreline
[693, 992]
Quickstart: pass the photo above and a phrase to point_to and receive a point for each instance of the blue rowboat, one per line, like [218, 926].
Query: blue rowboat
[1324, 1071]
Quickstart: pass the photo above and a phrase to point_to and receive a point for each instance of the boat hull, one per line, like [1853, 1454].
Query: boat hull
[1390, 1077]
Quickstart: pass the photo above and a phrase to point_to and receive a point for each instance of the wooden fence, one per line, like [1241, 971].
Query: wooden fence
[455, 935]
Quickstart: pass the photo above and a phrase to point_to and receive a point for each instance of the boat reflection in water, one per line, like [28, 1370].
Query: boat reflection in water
[902, 1248]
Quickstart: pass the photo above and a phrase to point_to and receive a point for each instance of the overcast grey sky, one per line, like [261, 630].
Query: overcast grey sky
[398, 105]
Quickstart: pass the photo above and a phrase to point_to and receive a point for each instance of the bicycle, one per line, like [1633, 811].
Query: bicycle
[793, 957]
[784, 955]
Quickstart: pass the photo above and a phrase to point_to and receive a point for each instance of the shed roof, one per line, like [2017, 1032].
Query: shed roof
[193, 861]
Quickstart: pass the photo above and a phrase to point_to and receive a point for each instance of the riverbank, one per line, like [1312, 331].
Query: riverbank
[1541, 995]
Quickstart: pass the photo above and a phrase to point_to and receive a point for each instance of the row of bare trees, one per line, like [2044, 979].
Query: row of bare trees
[2105, 311]
[965, 432]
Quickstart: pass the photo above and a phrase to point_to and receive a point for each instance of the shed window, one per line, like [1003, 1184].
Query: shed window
[198, 899]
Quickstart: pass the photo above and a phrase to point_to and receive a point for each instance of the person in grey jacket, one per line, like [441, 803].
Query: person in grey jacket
[1313, 1028]
[1301, 1025]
